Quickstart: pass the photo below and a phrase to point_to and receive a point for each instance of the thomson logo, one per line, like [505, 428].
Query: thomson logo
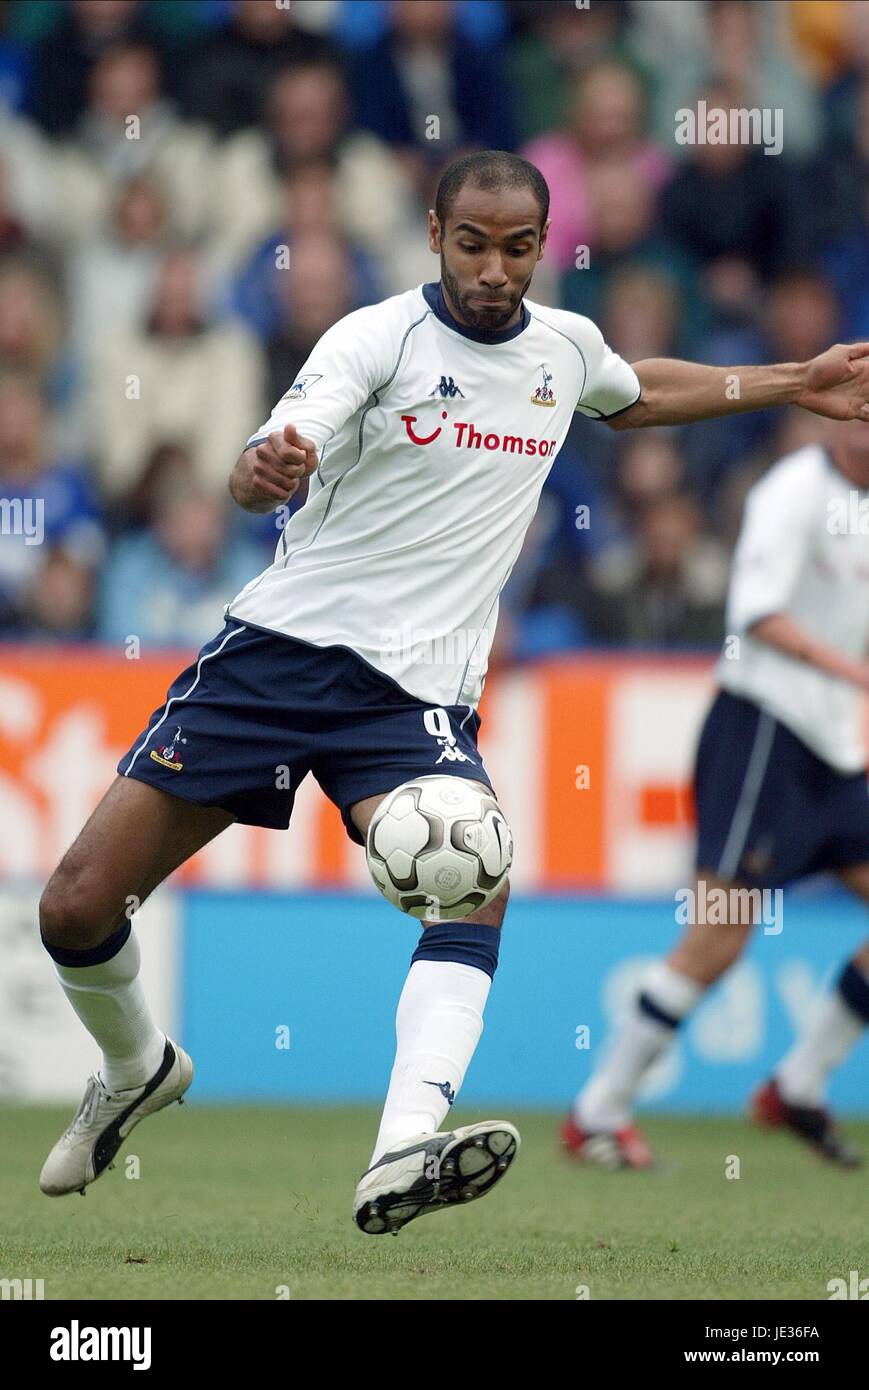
[77, 1343]
[467, 436]
[22, 1288]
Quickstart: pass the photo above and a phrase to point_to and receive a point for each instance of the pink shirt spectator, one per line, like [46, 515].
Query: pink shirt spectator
[564, 165]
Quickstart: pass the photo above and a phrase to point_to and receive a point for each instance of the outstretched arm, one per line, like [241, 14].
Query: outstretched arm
[835, 384]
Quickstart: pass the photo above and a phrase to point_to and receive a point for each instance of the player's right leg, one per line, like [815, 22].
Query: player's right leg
[135, 838]
[599, 1128]
[794, 1098]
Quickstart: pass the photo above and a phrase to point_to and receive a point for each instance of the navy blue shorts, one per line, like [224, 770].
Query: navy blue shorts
[257, 711]
[769, 810]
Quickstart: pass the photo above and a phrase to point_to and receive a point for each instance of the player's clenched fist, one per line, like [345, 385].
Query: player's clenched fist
[270, 472]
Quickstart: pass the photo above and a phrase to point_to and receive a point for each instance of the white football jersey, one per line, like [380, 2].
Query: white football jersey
[800, 553]
[434, 441]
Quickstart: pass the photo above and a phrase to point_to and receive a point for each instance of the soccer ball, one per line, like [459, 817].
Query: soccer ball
[439, 848]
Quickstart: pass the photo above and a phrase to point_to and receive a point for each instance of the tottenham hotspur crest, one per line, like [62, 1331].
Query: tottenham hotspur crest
[544, 394]
[168, 754]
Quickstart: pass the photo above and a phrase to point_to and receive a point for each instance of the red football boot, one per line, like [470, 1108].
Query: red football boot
[815, 1126]
[620, 1148]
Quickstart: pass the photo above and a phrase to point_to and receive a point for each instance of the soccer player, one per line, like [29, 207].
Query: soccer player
[780, 789]
[426, 425]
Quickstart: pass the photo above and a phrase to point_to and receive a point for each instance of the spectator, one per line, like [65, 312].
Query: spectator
[846, 259]
[734, 296]
[823, 35]
[559, 42]
[168, 474]
[231, 71]
[794, 429]
[27, 163]
[737, 44]
[130, 130]
[740, 53]
[640, 314]
[605, 122]
[31, 326]
[112, 278]
[648, 469]
[799, 320]
[53, 542]
[307, 119]
[63, 59]
[425, 69]
[315, 292]
[669, 590]
[169, 586]
[624, 236]
[748, 190]
[311, 209]
[179, 380]
[14, 65]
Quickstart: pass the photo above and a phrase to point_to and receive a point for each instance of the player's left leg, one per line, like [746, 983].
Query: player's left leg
[795, 1096]
[414, 1167]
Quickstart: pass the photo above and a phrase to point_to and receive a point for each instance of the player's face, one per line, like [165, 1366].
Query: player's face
[489, 248]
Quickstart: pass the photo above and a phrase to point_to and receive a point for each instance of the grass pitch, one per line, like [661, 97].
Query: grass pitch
[244, 1202]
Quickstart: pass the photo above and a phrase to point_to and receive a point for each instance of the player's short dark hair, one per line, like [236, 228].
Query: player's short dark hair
[491, 170]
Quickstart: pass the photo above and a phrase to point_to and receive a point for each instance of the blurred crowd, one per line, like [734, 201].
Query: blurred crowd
[192, 191]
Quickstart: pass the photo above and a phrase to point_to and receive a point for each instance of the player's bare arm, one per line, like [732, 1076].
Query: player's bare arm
[270, 473]
[834, 384]
[789, 637]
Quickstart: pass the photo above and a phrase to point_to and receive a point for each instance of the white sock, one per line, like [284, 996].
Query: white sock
[110, 1002]
[802, 1074]
[437, 1027]
[606, 1101]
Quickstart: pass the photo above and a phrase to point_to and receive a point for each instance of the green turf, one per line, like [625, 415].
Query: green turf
[233, 1203]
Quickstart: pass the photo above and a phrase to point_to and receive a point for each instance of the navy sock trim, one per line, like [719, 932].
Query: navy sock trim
[854, 989]
[96, 955]
[648, 1006]
[463, 942]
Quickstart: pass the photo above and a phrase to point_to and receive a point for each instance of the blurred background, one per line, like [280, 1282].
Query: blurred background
[156, 161]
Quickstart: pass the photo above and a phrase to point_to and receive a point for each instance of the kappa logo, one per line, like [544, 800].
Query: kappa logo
[451, 754]
[301, 386]
[445, 1089]
[168, 755]
[437, 723]
[544, 395]
[447, 387]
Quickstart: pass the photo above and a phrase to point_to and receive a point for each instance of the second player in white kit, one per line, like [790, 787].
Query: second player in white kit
[780, 789]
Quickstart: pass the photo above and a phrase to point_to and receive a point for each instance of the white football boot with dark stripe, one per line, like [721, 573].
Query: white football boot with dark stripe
[104, 1120]
[432, 1171]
